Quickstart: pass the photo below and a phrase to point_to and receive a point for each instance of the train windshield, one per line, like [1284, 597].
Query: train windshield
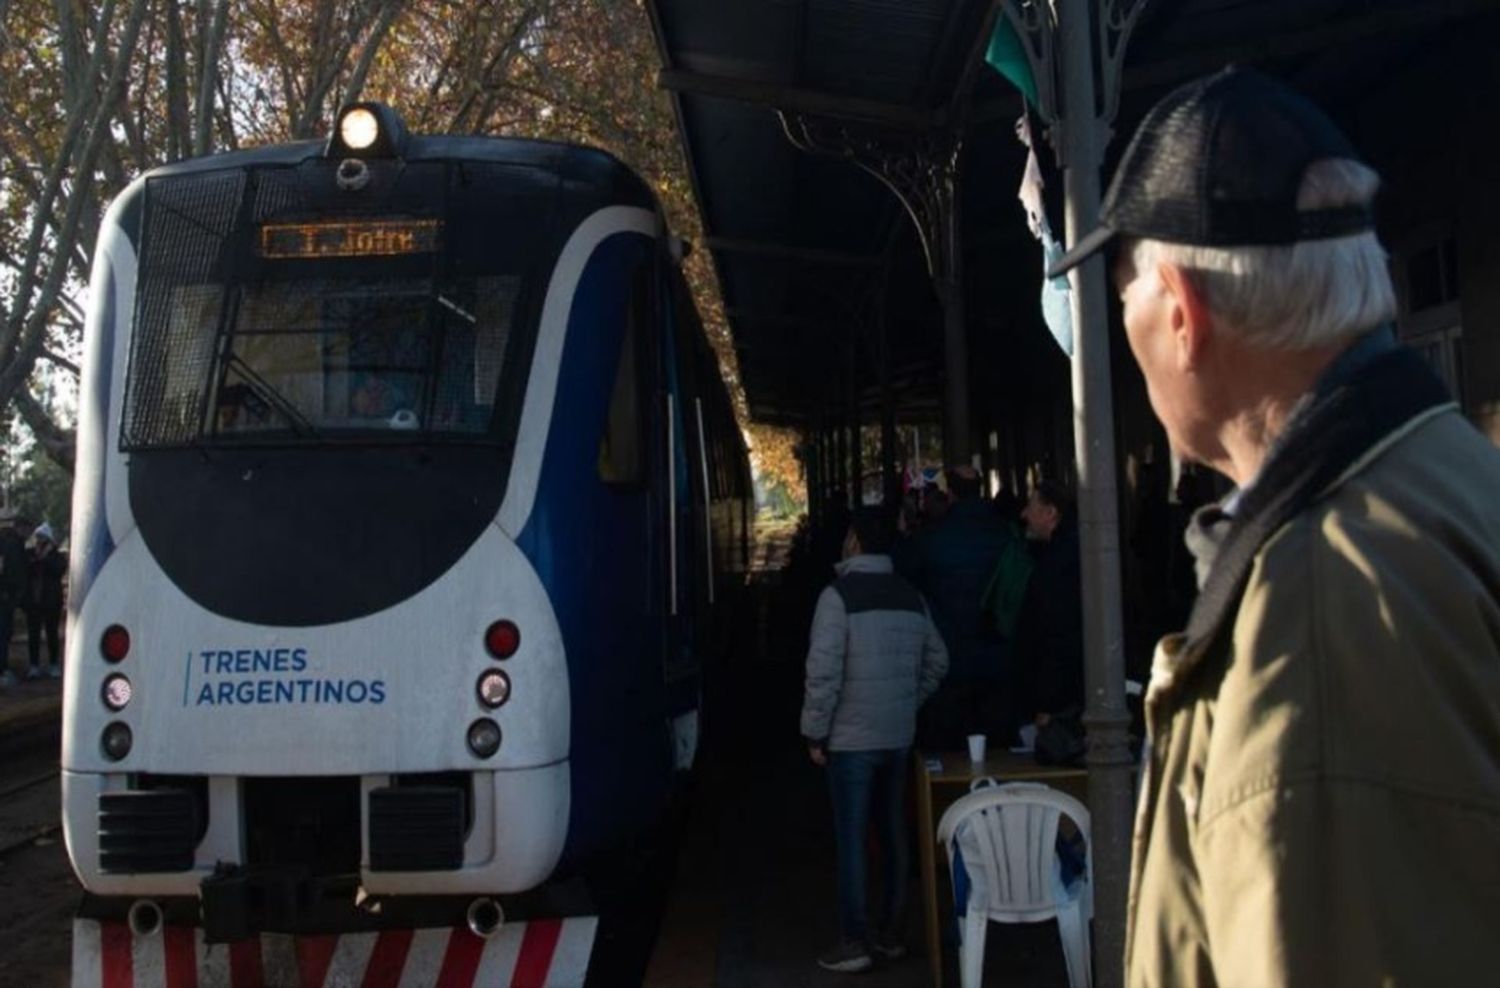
[319, 357]
[265, 316]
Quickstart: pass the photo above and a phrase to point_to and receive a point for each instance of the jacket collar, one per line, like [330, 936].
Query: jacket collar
[869, 563]
[1362, 404]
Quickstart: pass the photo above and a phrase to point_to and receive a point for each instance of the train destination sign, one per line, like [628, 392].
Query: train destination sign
[360, 238]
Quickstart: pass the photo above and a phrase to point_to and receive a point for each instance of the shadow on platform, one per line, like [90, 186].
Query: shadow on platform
[754, 901]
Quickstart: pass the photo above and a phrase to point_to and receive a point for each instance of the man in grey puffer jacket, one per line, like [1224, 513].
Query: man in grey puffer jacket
[873, 657]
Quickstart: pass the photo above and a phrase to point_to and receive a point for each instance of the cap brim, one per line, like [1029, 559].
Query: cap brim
[1091, 243]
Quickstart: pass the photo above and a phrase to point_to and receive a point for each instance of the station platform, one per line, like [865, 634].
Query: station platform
[753, 902]
[30, 703]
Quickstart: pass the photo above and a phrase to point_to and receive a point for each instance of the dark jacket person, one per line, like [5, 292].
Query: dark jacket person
[952, 564]
[1049, 634]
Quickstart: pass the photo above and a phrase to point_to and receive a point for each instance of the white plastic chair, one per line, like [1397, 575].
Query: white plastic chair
[1007, 836]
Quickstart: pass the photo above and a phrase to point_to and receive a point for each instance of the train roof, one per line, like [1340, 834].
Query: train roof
[588, 170]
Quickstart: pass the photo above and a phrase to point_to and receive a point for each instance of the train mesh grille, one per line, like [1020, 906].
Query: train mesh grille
[188, 222]
[417, 828]
[147, 831]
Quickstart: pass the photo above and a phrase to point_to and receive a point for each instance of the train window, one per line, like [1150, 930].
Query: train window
[621, 450]
[233, 343]
[335, 356]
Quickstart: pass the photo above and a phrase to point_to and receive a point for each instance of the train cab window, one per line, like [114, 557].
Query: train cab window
[622, 459]
[338, 357]
[284, 321]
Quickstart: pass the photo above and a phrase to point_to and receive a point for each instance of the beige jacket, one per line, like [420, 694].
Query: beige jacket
[1320, 804]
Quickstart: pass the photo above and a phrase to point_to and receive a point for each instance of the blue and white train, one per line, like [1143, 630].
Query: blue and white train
[408, 496]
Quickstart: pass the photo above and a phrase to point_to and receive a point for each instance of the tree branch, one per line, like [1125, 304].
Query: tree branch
[389, 11]
[57, 359]
[208, 69]
[58, 443]
[21, 358]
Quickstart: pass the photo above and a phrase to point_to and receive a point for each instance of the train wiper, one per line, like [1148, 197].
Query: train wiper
[458, 310]
[267, 392]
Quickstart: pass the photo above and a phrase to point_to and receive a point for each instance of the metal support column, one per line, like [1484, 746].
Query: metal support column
[890, 467]
[1082, 133]
[958, 443]
[839, 441]
[815, 492]
[813, 457]
[921, 170]
[856, 452]
[825, 462]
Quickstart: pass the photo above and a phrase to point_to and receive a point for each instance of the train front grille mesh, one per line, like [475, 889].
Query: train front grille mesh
[185, 248]
[153, 830]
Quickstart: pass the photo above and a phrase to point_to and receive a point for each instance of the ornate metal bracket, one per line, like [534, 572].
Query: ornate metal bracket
[1117, 20]
[920, 169]
[1035, 23]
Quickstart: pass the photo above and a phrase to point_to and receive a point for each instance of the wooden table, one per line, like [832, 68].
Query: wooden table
[940, 786]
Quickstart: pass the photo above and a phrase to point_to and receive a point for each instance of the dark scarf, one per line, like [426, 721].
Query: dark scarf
[1369, 392]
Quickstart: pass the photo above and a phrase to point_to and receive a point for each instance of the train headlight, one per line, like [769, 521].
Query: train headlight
[117, 692]
[116, 740]
[359, 128]
[366, 130]
[484, 737]
[114, 644]
[502, 639]
[494, 688]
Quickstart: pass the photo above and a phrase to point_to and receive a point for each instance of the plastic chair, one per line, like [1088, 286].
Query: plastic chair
[1006, 836]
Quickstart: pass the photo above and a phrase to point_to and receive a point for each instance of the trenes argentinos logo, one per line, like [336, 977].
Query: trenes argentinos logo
[221, 677]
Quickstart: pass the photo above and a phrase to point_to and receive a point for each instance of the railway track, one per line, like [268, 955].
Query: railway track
[29, 783]
[17, 799]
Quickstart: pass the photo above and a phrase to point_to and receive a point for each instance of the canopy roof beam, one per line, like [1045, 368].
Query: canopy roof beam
[775, 96]
[787, 252]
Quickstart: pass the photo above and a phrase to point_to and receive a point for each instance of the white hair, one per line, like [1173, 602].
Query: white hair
[1308, 294]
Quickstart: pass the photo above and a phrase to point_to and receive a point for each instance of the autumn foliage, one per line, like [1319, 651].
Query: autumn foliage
[97, 93]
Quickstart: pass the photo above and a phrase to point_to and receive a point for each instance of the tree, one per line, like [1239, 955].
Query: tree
[89, 99]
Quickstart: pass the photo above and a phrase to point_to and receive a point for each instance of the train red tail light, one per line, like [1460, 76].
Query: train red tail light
[502, 639]
[114, 644]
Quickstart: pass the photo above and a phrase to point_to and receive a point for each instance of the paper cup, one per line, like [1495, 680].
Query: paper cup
[976, 747]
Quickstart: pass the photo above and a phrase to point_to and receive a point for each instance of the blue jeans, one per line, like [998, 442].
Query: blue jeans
[862, 784]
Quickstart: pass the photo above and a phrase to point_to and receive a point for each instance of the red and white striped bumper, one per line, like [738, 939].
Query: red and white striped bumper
[549, 953]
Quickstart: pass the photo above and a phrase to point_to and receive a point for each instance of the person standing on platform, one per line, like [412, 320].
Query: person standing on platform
[44, 600]
[952, 563]
[13, 575]
[1320, 804]
[874, 655]
[1049, 630]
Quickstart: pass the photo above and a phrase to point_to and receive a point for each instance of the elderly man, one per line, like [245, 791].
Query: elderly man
[1321, 803]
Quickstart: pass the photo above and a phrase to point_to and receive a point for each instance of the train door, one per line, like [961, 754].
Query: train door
[685, 522]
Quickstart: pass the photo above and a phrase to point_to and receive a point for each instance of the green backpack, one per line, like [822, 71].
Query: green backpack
[1006, 591]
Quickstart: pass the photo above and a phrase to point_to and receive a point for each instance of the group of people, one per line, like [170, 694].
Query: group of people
[1003, 588]
[31, 581]
[973, 620]
[1320, 797]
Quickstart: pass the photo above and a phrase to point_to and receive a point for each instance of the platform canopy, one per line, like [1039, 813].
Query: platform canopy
[812, 249]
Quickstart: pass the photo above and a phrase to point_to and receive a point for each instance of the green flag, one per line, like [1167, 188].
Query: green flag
[1008, 57]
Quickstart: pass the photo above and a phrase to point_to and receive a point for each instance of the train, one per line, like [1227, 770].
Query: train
[409, 502]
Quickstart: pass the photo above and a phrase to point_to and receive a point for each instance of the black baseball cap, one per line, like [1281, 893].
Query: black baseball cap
[1218, 163]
